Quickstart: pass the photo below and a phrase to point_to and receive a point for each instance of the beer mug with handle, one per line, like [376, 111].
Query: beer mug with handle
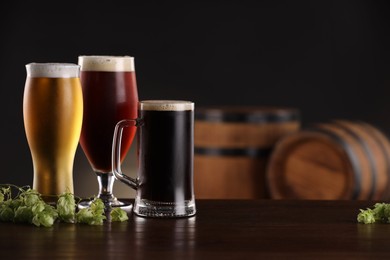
[164, 185]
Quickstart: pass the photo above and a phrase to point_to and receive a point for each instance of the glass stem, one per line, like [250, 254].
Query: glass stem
[106, 182]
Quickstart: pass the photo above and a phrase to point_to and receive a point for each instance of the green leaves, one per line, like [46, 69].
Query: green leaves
[28, 207]
[380, 213]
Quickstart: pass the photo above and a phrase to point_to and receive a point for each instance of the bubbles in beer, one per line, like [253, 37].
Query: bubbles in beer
[106, 63]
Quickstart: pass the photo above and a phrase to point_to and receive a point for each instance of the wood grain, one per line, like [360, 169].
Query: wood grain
[222, 229]
[336, 160]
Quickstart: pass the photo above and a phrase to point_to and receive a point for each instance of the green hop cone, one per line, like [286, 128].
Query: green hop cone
[15, 204]
[30, 197]
[6, 213]
[24, 214]
[94, 215]
[97, 206]
[118, 214]
[43, 218]
[44, 215]
[366, 216]
[379, 213]
[87, 216]
[38, 207]
[5, 193]
[84, 216]
[386, 213]
[28, 207]
[66, 206]
[97, 220]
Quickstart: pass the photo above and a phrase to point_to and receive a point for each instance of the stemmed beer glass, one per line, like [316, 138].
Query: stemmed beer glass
[110, 95]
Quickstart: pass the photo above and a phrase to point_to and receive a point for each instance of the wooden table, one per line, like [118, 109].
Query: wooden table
[222, 229]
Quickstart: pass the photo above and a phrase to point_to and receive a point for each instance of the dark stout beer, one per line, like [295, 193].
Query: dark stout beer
[165, 158]
[165, 154]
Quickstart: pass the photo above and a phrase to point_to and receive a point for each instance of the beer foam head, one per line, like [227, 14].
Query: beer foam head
[52, 70]
[106, 63]
[166, 105]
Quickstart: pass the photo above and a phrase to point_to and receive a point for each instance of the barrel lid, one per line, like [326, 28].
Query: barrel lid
[246, 114]
[310, 165]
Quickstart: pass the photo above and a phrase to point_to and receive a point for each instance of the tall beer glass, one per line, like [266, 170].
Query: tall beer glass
[53, 111]
[110, 95]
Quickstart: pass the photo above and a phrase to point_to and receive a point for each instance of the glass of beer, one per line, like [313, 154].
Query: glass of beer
[110, 95]
[52, 112]
[164, 185]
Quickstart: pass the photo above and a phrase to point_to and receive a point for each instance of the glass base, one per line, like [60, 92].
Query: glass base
[157, 209]
[106, 182]
[112, 202]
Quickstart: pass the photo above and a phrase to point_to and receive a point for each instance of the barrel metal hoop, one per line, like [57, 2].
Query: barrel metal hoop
[247, 152]
[369, 154]
[352, 156]
[381, 145]
[247, 118]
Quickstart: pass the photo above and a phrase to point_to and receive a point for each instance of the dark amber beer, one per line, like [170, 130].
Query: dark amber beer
[53, 111]
[110, 95]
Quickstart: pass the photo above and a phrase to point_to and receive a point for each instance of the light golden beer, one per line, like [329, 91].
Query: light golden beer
[53, 110]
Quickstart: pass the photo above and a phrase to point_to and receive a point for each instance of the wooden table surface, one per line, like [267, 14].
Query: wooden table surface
[222, 229]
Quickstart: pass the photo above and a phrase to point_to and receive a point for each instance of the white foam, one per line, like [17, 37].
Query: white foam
[52, 70]
[166, 105]
[106, 63]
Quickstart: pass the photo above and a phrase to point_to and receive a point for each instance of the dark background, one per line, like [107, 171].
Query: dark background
[330, 59]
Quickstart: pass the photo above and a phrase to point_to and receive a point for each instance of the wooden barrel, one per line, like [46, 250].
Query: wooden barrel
[337, 160]
[232, 146]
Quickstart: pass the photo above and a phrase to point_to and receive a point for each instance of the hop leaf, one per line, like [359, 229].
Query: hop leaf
[118, 214]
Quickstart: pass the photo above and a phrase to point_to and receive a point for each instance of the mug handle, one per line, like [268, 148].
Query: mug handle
[116, 152]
